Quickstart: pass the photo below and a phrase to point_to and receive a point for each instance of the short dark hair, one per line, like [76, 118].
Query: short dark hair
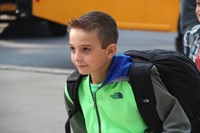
[101, 22]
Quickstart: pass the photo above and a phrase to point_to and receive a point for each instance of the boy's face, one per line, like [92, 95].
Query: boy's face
[87, 53]
[198, 9]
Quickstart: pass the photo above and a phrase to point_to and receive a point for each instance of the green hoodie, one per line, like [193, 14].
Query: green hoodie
[112, 108]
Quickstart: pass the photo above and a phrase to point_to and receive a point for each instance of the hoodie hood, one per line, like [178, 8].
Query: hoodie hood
[119, 67]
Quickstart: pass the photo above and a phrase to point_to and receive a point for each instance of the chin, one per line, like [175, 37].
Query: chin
[83, 72]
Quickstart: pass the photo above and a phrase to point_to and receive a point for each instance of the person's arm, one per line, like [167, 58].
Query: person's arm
[169, 109]
[77, 121]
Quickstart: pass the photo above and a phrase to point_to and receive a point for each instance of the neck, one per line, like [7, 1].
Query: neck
[97, 79]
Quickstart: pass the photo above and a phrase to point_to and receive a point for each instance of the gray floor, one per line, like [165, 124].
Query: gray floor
[31, 102]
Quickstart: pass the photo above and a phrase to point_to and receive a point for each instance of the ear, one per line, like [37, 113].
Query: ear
[111, 50]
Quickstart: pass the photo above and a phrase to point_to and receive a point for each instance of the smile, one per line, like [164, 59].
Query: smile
[81, 66]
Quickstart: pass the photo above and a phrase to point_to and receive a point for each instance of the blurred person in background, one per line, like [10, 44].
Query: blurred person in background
[191, 39]
[187, 20]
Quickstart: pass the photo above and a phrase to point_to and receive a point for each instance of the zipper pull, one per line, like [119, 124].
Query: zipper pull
[95, 101]
[95, 104]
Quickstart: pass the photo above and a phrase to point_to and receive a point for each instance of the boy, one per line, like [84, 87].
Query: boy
[105, 95]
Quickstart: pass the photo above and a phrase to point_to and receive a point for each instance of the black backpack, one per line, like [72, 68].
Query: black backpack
[177, 72]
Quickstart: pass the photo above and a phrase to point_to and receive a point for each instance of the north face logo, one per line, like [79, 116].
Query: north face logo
[117, 95]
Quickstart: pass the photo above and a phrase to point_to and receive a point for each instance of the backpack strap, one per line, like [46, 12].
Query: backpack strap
[73, 82]
[139, 56]
[140, 80]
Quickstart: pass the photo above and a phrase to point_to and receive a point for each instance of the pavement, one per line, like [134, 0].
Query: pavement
[31, 99]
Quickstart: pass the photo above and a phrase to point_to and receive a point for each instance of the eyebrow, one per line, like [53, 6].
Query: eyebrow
[81, 45]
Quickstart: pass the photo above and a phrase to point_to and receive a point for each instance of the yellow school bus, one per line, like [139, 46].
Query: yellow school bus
[153, 15]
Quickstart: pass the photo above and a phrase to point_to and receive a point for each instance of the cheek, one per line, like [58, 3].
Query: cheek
[72, 58]
[197, 10]
[99, 60]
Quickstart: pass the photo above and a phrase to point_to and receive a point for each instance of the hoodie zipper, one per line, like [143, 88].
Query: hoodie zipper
[97, 111]
[96, 108]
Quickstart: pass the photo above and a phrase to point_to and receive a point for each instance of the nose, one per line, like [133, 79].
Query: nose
[76, 56]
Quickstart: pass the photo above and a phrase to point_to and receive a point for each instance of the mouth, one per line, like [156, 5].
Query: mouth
[81, 66]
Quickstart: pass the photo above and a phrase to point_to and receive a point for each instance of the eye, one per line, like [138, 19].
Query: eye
[86, 49]
[72, 49]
